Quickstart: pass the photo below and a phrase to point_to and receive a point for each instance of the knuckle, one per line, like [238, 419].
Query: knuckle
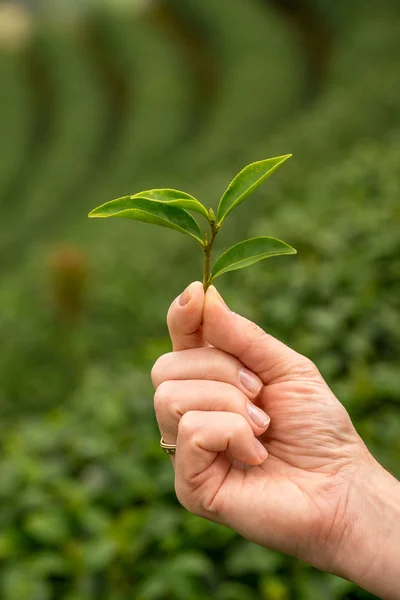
[195, 496]
[160, 367]
[188, 424]
[254, 330]
[185, 499]
[162, 395]
[201, 503]
[308, 367]
[254, 339]
[181, 496]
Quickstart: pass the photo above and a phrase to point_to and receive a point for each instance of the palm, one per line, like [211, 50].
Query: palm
[310, 429]
[302, 487]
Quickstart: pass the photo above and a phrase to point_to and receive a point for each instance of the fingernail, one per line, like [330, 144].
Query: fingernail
[184, 298]
[251, 382]
[219, 297]
[258, 416]
[261, 451]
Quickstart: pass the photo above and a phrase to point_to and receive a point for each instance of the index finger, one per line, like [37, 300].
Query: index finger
[185, 318]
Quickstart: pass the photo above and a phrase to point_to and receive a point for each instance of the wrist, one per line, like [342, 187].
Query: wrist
[370, 546]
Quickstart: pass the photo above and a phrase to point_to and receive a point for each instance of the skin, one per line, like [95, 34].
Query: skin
[297, 477]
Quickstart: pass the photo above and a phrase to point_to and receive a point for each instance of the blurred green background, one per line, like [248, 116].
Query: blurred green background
[104, 98]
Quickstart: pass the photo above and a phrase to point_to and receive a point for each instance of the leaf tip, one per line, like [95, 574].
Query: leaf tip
[95, 213]
[290, 249]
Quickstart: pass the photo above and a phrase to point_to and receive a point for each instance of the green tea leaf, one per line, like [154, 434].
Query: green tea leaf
[174, 198]
[246, 182]
[249, 252]
[149, 211]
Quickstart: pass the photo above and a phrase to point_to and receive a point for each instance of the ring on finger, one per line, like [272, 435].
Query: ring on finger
[168, 448]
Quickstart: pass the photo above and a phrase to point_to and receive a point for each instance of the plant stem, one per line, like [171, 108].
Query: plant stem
[207, 254]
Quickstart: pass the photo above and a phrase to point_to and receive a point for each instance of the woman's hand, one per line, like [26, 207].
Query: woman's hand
[263, 445]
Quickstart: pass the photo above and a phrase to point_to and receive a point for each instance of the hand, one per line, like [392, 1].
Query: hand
[228, 396]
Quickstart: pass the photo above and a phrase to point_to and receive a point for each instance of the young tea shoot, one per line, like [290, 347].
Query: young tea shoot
[170, 208]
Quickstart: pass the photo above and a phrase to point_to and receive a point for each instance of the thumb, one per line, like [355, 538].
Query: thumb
[263, 354]
[185, 316]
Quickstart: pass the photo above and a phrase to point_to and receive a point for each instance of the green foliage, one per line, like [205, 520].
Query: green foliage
[167, 208]
[182, 97]
[150, 211]
[174, 198]
[248, 252]
[246, 182]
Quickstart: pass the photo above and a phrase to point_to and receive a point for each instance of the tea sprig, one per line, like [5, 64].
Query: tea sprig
[169, 208]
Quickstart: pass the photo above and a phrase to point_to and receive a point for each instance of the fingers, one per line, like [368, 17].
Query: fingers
[264, 355]
[185, 316]
[201, 436]
[173, 399]
[207, 442]
[206, 363]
